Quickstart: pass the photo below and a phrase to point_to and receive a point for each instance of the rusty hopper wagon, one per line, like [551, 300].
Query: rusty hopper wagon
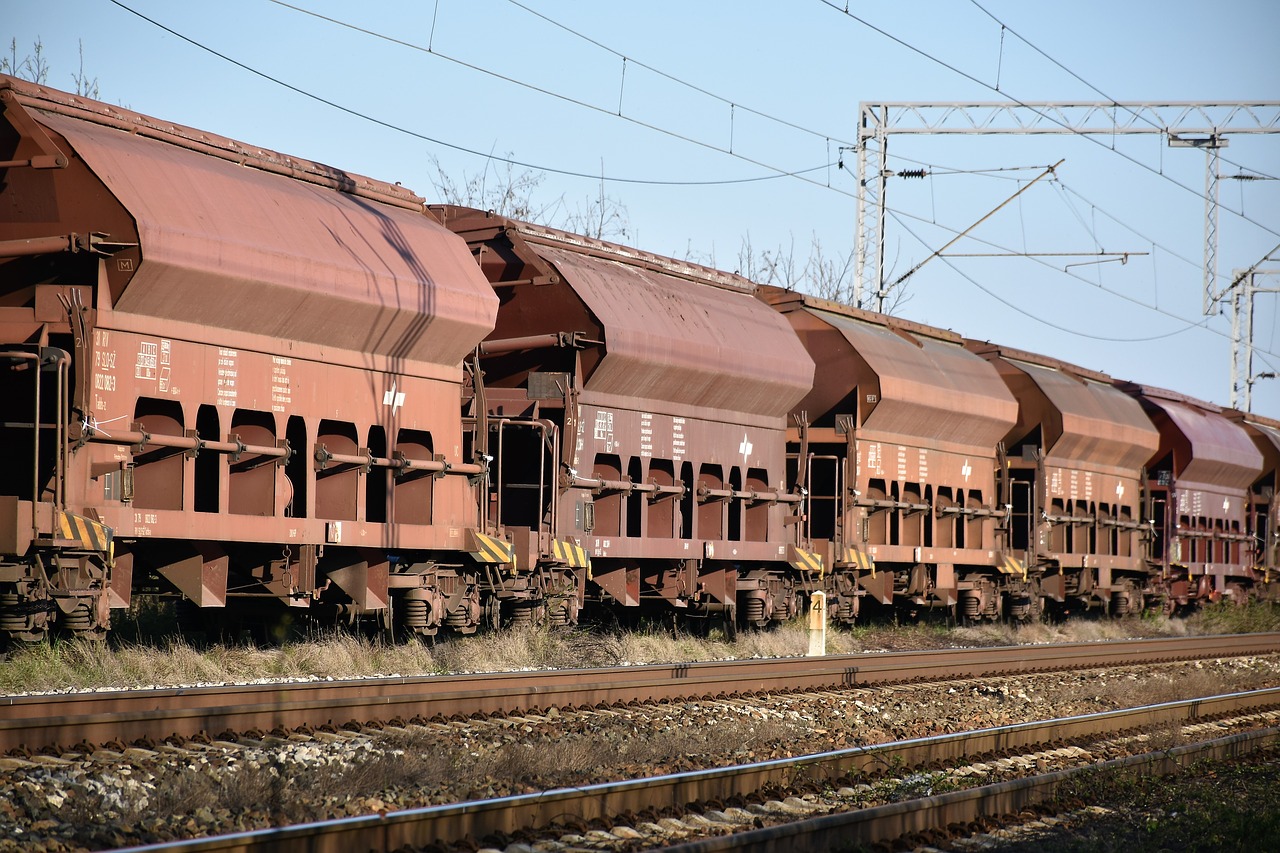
[668, 385]
[1075, 482]
[265, 388]
[1199, 498]
[1264, 514]
[896, 446]
[228, 375]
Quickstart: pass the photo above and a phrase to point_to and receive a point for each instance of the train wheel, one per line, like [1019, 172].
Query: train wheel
[492, 618]
[1158, 604]
[1126, 600]
[845, 609]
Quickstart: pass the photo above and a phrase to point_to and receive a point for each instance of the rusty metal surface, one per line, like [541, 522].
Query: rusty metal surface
[1083, 418]
[245, 308]
[35, 721]
[1208, 449]
[48, 99]
[929, 386]
[912, 380]
[337, 270]
[654, 330]
[669, 383]
[1265, 433]
[234, 378]
[682, 342]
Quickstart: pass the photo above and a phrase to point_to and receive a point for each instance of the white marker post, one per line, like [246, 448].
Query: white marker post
[818, 625]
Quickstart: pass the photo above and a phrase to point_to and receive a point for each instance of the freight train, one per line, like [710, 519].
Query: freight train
[262, 386]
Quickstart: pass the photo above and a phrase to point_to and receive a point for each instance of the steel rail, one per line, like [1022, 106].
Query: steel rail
[34, 722]
[888, 822]
[479, 818]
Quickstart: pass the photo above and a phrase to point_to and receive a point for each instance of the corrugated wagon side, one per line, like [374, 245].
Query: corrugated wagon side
[637, 410]
[242, 369]
[1076, 478]
[897, 447]
[1264, 510]
[1199, 498]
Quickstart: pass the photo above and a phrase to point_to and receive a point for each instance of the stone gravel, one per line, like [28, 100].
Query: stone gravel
[115, 798]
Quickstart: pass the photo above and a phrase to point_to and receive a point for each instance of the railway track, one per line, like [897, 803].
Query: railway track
[699, 797]
[33, 723]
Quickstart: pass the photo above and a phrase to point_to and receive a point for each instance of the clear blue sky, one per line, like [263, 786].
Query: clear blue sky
[801, 61]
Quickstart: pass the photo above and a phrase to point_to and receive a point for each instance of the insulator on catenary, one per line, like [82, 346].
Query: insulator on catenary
[913, 173]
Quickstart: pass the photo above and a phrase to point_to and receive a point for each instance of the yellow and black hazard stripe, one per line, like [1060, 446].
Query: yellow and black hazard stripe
[489, 549]
[1007, 565]
[859, 559]
[573, 556]
[91, 534]
[805, 561]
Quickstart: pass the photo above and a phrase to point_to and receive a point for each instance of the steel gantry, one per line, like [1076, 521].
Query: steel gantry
[1185, 124]
[1242, 289]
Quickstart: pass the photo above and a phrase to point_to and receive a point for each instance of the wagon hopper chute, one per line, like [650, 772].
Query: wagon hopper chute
[1075, 482]
[1264, 512]
[668, 385]
[897, 447]
[262, 364]
[1199, 497]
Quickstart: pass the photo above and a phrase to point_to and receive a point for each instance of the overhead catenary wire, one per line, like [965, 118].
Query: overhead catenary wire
[733, 104]
[778, 172]
[1098, 208]
[900, 216]
[937, 252]
[1052, 119]
[595, 177]
[935, 169]
[1057, 181]
[1006, 28]
[1203, 324]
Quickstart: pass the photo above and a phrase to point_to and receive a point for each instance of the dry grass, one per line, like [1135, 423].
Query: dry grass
[84, 665]
[528, 648]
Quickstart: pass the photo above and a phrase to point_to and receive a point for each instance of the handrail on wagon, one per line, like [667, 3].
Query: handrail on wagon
[193, 444]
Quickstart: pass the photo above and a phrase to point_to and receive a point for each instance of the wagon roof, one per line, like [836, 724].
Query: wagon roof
[673, 331]
[912, 380]
[1207, 447]
[241, 238]
[1084, 419]
[1266, 434]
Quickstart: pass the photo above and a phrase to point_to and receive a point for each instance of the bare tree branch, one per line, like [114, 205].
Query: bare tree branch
[33, 66]
[84, 86]
[506, 192]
